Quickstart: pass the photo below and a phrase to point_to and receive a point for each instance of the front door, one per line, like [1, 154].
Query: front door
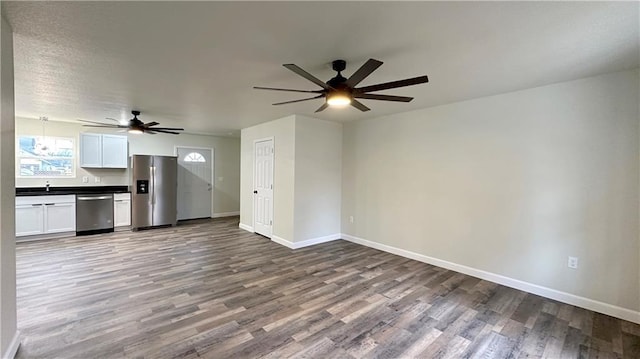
[195, 182]
[263, 187]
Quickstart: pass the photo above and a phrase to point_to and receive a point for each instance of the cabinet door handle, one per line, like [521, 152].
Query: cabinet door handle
[36, 205]
[49, 204]
[118, 200]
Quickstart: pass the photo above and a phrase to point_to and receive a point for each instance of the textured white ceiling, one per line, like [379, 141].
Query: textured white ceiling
[192, 64]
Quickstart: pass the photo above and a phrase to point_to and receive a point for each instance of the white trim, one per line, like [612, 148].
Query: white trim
[213, 172]
[282, 241]
[317, 240]
[44, 236]
[246, 227]
[597, 306]
[225, 214]
[12, 349]
[306, 243]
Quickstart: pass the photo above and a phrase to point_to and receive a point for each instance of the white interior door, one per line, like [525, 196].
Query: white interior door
[195, 182]
[263, 187]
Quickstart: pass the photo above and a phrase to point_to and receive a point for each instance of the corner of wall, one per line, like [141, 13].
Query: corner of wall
[9, 336]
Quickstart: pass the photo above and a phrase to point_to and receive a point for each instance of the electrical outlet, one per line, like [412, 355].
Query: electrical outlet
[573, 262]
[350, 219]
[85, 179]
[97, 179]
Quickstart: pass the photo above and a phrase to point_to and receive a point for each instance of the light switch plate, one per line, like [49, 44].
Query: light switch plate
[572, 262]
[97, 179]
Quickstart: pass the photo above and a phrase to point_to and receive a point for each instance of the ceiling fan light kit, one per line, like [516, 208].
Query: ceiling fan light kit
[338, 99]
[341, 92]
[135, 126]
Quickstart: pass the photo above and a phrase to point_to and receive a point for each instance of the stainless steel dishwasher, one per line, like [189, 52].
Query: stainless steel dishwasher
[94, 213]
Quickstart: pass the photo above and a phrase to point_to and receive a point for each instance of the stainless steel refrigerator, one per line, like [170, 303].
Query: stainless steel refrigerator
[154, 191]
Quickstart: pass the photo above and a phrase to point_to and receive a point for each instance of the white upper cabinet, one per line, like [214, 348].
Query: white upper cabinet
[114, 151]
[90, 150]
[103, 151]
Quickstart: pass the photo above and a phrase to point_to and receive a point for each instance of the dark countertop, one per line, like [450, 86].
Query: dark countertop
[41, 191]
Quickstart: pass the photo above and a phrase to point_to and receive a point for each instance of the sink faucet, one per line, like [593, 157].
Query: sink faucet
[46, 186]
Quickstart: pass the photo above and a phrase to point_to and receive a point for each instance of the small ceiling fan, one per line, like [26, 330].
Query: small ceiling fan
[136, 126]
[340, 91]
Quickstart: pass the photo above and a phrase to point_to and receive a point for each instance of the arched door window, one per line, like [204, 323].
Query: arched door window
[194, 157]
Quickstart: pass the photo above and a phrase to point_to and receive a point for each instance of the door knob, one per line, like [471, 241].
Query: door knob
[255, 192]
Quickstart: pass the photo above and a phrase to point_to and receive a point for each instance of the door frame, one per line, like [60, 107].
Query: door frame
[253, 184]
[213, 171]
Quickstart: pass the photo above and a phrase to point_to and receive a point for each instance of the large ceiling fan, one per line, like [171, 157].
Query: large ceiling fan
[340, 91]
[135, 126]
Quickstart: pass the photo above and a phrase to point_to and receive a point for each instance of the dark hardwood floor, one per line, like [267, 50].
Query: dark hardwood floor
[209, 289]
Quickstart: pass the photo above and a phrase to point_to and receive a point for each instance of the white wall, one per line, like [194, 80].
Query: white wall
[307, 177]
[511, 184]
[8, 319]
[34, 127]
[283, 132]
[318, 178]
[226, 196]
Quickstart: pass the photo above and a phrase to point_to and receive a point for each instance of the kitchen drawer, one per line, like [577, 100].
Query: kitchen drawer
[122, 196]
[28, 200]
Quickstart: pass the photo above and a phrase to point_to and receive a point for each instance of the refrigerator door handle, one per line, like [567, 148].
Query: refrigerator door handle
[152, 197]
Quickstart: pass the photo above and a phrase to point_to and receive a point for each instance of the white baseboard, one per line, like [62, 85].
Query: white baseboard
[246, 227]
[305, 243]
[596, 306]
[225, 214]
[11, 351]
[317, 240]
[282, 241]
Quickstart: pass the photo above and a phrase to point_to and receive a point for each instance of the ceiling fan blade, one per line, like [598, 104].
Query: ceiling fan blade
[307, 76]
[357, 104]
[149, 132]
[105, 126]
[394, 84]
[321, 108]
[289, 90]
[162, 131]
[304, 99]
[149, 124]
[112, 119]
[371, 96]
[365, 70]
[166, 128]
[97, 123]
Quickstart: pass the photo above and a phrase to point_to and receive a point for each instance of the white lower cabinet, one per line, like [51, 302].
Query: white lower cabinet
[45, 214]
[29, 219]
[59, 217]
[121, 209]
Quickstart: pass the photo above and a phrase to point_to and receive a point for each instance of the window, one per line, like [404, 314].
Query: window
[39, 156]
[194, 157]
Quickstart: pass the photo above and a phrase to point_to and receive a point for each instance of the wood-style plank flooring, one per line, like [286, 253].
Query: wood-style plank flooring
[209, 289]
